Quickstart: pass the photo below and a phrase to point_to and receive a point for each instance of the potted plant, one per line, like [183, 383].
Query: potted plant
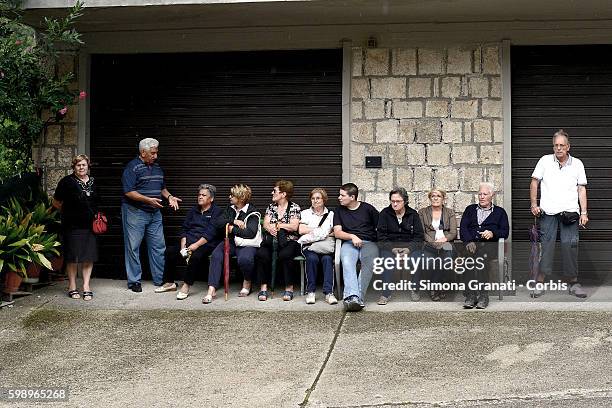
[43, 213]
[15, 251]
[24, 245]
[43, 245]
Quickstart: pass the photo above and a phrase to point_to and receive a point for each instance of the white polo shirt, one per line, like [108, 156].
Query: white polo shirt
[559, 185]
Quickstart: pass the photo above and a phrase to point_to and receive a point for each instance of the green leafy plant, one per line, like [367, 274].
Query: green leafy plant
[15, 249]
[22, 240]
[29, 84]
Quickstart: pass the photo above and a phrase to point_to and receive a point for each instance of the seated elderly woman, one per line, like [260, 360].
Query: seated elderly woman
[318, 246]
[440, 227]
[482, 224]
[199, 237]
[399, 233]
[281, 222]
[243, 219]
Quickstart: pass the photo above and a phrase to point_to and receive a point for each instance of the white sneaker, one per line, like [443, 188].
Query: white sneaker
[310, 298]
[166, 287]
[331, 299]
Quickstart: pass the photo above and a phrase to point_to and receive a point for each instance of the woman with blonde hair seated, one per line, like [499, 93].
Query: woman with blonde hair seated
[243, 219]
[440, 227]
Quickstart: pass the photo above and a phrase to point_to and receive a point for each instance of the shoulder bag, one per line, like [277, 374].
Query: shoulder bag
[251, 242]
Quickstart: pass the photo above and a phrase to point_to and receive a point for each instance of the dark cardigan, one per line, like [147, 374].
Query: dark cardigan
[228, 217]
[410, 231]
[496, 222]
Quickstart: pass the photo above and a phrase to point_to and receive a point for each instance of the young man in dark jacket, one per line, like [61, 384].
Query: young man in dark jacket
[400, 232]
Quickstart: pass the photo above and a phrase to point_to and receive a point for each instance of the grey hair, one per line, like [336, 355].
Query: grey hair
[561, 133]
[401, 191]
[211, 189]
[488, 185]
[147, 144]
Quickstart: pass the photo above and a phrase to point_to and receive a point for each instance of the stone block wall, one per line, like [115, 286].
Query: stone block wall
[435, 117]
[55, 151]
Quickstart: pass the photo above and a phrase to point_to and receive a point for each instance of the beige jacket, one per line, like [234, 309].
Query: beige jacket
[448, 220]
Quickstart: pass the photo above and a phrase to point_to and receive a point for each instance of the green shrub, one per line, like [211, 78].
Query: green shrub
[29, 84]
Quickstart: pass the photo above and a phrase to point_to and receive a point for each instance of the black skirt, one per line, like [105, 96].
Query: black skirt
[80, 246]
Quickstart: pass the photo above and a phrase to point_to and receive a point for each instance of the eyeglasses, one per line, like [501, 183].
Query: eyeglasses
[397, 201]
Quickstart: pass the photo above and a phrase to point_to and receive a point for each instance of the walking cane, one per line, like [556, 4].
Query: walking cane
[226, 261]
[274, 256]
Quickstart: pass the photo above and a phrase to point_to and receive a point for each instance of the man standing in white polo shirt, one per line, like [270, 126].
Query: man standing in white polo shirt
[563, 207]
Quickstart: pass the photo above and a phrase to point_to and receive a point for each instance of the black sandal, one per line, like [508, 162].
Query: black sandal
[263, 294]
[88, 294]
[74, 294]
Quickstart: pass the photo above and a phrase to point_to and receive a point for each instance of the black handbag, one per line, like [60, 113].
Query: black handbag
[568, 218]
[281, 239]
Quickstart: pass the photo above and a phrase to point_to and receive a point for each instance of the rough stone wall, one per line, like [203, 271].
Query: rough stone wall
[435, 117]
[55, 151]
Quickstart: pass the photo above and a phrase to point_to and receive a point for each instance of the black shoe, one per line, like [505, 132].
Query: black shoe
[470, 301]
[351, 304]
[483, 301]
[135, 287]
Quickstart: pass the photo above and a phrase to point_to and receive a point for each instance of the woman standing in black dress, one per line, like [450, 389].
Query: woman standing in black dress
[77, 199]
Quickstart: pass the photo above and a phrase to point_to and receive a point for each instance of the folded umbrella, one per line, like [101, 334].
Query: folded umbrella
[226, 261]
[536, 250]
[274, 262]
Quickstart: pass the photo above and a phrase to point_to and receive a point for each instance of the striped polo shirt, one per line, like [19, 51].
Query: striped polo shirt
[147, 180]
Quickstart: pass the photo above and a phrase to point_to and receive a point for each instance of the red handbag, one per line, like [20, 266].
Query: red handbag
[100, 225]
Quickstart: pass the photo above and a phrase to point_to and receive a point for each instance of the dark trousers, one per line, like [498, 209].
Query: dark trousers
[195, 268]
[312, 265]
[246, 262]
[568, 234]
[437, 274]
[488, 252]
[387, 276]
[284, 261]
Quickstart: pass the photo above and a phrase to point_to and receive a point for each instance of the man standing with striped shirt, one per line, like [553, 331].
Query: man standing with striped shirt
[143, 189]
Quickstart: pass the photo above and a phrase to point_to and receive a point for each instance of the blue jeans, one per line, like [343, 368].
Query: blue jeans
[312, 263]
[139, 224]
[568, 235]
[349, 255]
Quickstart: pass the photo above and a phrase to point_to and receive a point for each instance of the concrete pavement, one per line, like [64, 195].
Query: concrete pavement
[151, 350]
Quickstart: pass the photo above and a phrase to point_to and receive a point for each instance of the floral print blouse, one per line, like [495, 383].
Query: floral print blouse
[293, 211]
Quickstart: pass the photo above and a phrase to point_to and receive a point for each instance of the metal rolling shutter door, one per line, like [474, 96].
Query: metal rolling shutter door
[221, 118]
[567, 87]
